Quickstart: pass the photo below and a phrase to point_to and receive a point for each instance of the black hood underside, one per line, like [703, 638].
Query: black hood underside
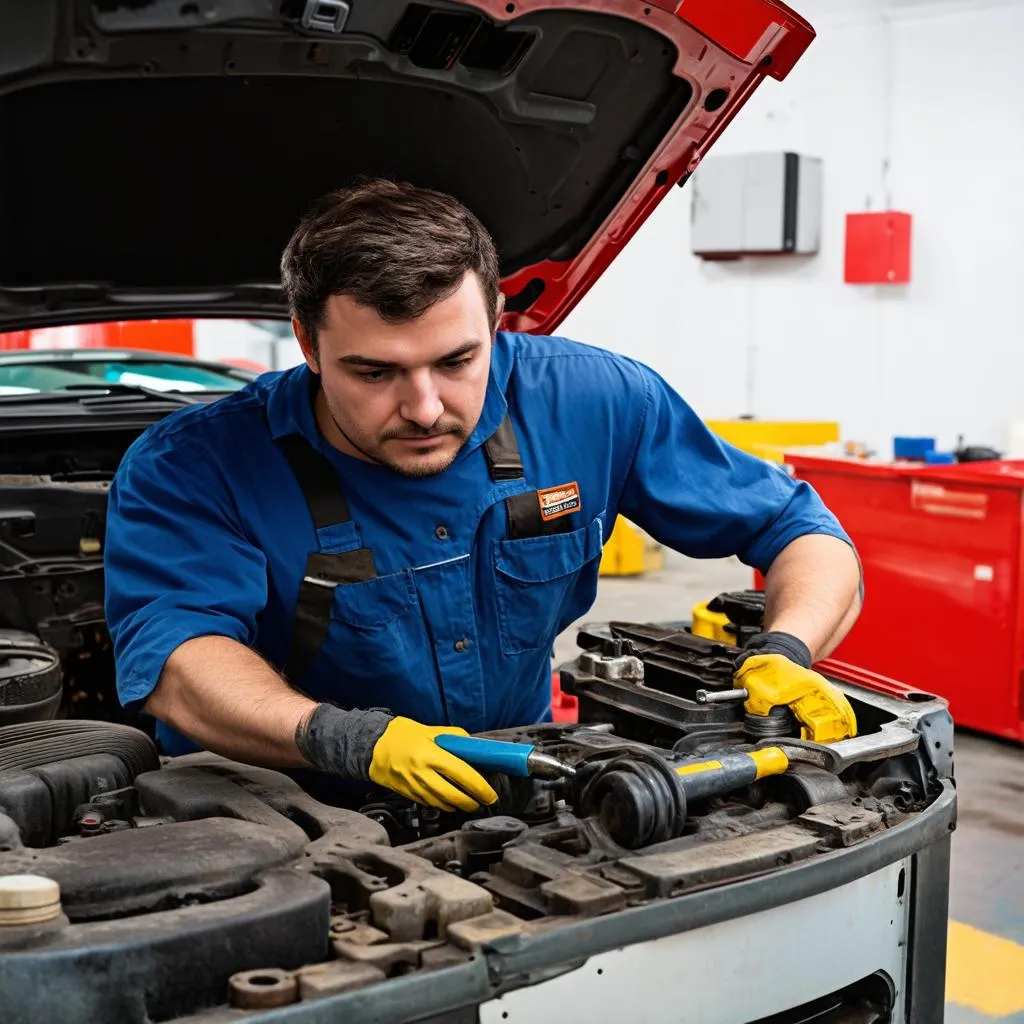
[145, 157]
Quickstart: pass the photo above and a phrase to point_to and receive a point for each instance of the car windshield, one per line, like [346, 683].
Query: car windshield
[37, 376]
[201, 355]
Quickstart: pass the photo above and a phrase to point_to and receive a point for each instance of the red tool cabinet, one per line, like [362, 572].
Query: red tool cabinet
[943, 558]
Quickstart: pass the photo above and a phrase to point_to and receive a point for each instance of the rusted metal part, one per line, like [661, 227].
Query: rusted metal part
[359, 933]
[442, 956]
[536, 880]
[890, 741]
[671, 874]
[477, 932]
[331, 979]
[385, 955]
[842, 823]
[584, 895]
[408, 898]
[439, 899]
[262, 989]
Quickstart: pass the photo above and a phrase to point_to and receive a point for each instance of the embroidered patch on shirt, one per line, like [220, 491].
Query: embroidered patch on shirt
[559, 501]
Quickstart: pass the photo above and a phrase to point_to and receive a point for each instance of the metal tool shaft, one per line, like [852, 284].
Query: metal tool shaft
[544, 766]
[721, 696]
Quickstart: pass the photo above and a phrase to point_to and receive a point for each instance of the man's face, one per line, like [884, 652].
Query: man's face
[405, 395]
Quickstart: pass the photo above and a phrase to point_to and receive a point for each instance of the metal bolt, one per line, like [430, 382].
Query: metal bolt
[262, 990]
[721, 696]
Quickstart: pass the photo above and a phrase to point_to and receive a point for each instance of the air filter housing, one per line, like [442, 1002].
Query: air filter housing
[30, 678]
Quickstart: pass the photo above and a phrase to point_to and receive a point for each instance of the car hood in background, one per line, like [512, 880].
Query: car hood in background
[159, 154]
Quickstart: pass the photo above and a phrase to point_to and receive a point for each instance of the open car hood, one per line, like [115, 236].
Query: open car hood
[159, 152]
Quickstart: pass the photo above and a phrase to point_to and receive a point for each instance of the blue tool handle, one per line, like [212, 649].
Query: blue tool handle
[489, 755]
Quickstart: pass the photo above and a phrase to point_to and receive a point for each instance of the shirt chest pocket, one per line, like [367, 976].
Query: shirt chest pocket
[376, 633]
[539, 581]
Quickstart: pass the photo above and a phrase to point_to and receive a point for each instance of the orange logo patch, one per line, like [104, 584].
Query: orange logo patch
[559, 501]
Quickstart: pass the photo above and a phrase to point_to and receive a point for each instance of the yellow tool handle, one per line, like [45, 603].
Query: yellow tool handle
[730, 771]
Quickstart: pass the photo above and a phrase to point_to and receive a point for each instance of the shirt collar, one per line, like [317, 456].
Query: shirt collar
[290, 407]
[289, 404]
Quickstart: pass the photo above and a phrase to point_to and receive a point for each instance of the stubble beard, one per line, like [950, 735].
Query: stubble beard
[418, 464]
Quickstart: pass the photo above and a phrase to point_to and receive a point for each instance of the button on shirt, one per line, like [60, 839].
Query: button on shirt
[208, 534]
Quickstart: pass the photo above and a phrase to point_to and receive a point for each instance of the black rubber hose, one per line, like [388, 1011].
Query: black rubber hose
[638, 798]
[32, 744]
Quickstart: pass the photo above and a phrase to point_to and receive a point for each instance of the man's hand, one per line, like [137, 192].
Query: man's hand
[394, 752]
[407, 760]
[775, 671]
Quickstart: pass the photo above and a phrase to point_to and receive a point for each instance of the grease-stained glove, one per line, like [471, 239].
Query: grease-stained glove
[775, 670]
[397, 753]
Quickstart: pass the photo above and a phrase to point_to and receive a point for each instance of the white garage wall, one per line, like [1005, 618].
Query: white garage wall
[935, 88]
[232, 339]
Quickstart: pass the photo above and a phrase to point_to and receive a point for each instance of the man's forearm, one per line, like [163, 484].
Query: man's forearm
[812, 592]
[229, 700]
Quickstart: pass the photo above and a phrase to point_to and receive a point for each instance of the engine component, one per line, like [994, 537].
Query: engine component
[639, 800]
[53, 494]
[805, 786]
[28, 900]
[32, 745]
[30, 678]
[777, 723]
[283, 922]
[661, 702]
[224, 857]
[262, 990]
[260, 895]
[745, 611]
[48, 768]
[479, 843]
[615, 662]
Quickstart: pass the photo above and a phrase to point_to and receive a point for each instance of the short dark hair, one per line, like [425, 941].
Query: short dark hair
[388, 245]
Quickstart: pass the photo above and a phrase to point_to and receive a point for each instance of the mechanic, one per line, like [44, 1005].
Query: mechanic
[330, 567]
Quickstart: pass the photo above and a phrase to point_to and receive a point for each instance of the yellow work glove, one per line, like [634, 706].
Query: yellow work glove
[407, 760]
[772, 681]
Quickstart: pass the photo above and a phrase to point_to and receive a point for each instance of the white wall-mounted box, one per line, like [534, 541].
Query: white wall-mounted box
[756, 204]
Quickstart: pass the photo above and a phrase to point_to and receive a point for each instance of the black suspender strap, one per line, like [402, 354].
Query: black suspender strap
[502, 451]
[322, 490]
[318, 480]
[525, 513]
[316, 596]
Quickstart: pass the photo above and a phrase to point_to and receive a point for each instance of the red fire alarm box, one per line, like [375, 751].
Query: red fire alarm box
[878, 248]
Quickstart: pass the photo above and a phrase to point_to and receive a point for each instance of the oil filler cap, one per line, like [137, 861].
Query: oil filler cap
[28, 899]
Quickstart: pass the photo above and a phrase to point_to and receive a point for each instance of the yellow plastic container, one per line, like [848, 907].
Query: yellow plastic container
[629, 552]
[771, 439]
[710, 625]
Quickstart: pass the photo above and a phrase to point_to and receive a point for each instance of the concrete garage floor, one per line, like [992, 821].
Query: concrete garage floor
[985, 977]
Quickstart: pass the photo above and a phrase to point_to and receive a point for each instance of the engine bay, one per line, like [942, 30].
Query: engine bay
[54, 485]
[261, 896]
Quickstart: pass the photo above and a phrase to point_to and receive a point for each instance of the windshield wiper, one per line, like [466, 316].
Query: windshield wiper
[103, 394]
[134, 390]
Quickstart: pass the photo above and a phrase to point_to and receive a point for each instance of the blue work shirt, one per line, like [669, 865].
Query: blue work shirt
[208, 534]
